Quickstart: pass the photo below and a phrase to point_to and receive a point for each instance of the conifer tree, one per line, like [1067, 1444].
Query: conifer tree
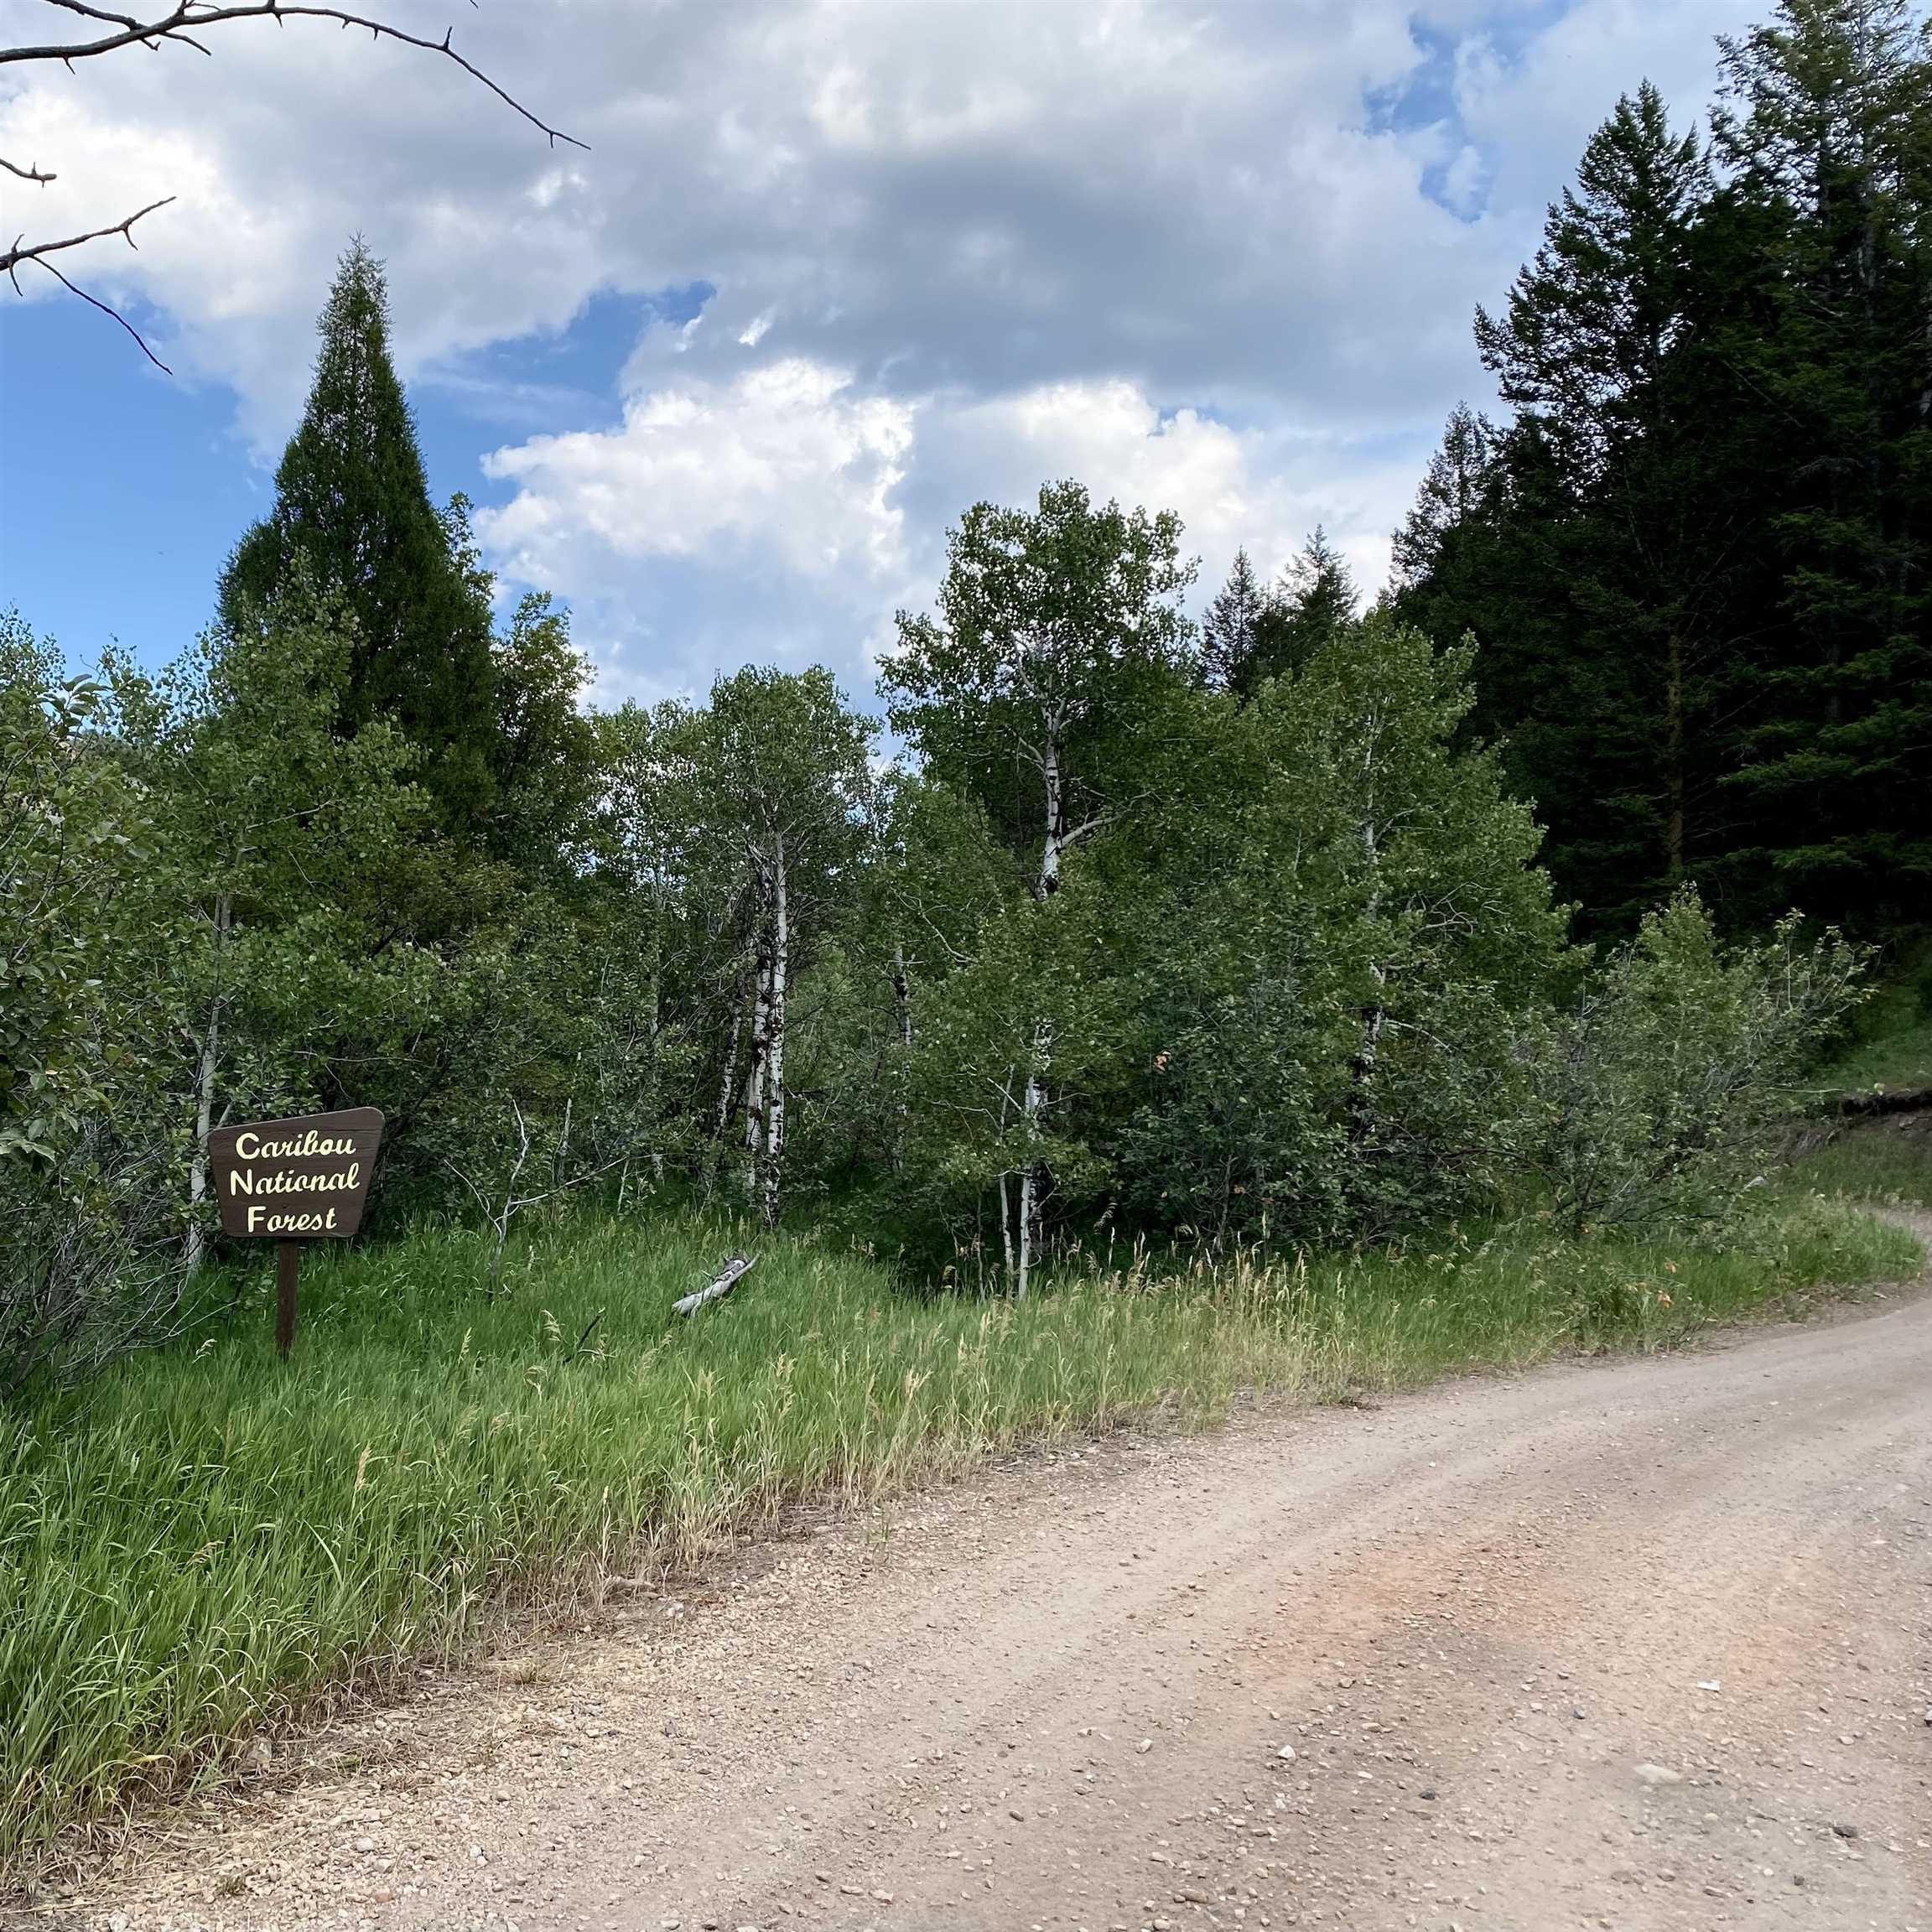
[1591, 321]
[1589, 348]
[1314, 602]
[1234, 626]
[352, 505]
[1318, 601]
[1589, 556]
[1451, 490]
[1698, 567]
[1825, 127]
[1251, 632]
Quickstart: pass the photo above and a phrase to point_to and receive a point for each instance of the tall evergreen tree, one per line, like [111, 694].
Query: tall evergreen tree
[1824, 126]
[1587, 347]
[1531, 572]
[353, 515]
[1586, 544]
[1318, 602]
[1698, 564]
[1233, 628]
[1451, 491]
[1591, 321]
[1286, 625]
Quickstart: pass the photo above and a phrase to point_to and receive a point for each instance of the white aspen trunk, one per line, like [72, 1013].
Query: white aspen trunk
[1033, 1104]
[754, 1078]
[755, 1089]
[1005, 1202]
[1026, 1232]
[1049, 881]
[727, 1086]
[1040, 1060]
[775, 1056]
[196, 1249]
[902, 993]
[1006, 1227]
[729, 1078]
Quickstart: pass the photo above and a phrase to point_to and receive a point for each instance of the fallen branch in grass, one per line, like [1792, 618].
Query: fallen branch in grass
[1886, 1100]
[727, 1278]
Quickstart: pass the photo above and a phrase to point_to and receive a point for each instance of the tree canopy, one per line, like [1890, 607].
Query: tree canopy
[353, 516]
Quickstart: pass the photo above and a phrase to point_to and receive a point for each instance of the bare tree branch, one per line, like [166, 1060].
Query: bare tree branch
[176, 25]
[183, 25]
[107, 309]
[23, 251]
[38, 252]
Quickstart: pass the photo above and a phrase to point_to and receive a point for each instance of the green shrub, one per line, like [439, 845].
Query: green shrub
[1662, 1091]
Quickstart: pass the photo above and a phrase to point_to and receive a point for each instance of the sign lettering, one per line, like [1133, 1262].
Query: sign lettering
[300, 1180]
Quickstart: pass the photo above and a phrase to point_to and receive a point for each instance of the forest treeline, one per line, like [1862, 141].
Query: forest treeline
[1237, 932]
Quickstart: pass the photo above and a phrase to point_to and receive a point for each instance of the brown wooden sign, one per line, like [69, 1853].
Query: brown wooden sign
[288, 1181]
[299, 1180]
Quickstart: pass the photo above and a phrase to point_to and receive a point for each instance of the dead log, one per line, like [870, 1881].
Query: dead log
[727, 1278]
[1886, 1100]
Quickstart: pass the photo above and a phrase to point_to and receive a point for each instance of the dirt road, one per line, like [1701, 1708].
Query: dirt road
[1634, 1645]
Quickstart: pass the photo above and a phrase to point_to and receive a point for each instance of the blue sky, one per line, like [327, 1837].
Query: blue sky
[123, 489]
[827, 273]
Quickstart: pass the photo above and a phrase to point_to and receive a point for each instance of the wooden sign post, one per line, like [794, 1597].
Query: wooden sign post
[288, 1181]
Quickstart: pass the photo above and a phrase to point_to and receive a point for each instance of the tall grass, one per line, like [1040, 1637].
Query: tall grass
[1899, 1059]
[1515, 1296]
[215, 1539]
[1887, 1159]
[1892, 1045]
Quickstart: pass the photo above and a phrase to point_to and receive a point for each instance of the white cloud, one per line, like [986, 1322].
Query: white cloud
[786, 490]
[1166, 246]
[1532, 106]
[764, 493]
[1256, 488]
[784, 466]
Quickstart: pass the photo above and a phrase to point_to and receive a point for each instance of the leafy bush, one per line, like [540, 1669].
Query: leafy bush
[85, 1192]
[1350, 927]
[1660, 1091]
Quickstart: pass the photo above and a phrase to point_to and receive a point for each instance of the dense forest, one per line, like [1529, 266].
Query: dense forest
[1695, 550]
[1260, 929]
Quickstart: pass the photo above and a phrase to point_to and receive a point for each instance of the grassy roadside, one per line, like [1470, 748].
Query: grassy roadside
[213, 1541]
[1886, 1158]
[1880, 1156]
